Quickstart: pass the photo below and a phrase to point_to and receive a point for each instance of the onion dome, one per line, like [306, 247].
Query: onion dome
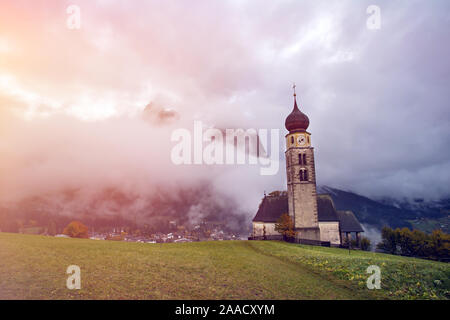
[297, 120]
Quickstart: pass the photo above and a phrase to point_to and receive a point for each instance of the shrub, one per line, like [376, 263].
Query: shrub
[365, 244]
[76, 229]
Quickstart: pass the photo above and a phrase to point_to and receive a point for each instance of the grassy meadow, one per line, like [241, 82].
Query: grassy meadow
[34, 267]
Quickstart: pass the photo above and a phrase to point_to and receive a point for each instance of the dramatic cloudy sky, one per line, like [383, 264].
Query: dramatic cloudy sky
[71, 100]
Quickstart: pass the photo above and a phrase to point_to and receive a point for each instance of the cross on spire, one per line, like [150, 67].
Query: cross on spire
[293, 87]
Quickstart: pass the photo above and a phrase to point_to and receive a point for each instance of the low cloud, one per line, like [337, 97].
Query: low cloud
[373, 234]
[71, 101]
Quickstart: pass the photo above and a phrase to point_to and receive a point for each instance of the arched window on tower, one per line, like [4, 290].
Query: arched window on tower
[303, 175]
[304, 158]
[292, 139]
[300, 162]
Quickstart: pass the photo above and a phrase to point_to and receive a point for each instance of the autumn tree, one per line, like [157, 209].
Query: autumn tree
[435, 246]
[76, 229]
[440, 245]
[285, 226]
[389, 241]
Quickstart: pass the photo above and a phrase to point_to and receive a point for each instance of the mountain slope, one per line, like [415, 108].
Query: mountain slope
[386, 212]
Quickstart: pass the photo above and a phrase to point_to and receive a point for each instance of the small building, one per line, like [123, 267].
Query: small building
[315, 218]
[335, 226]
[61, 236]
[349, 225]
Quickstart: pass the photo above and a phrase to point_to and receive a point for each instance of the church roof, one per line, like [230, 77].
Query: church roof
[325, 208]
[348, 222]
[272, 207]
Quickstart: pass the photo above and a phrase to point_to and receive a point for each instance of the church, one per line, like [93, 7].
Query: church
[315, 217]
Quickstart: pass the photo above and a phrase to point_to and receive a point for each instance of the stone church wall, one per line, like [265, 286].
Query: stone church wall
[258, 229]
[329, 231]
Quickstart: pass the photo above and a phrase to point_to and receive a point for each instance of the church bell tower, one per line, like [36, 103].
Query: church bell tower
[301, 176]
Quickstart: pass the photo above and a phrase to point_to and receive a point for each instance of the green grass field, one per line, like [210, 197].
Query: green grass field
[34, 267]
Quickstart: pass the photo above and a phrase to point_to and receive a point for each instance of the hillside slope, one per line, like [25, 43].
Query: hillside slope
[34, 267]
[389, 212]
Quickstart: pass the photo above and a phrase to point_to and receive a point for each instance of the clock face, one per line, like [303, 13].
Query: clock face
[301, 140]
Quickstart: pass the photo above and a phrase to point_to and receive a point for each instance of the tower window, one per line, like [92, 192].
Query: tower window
[302, 158]
[303, 174]
[292, 139]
